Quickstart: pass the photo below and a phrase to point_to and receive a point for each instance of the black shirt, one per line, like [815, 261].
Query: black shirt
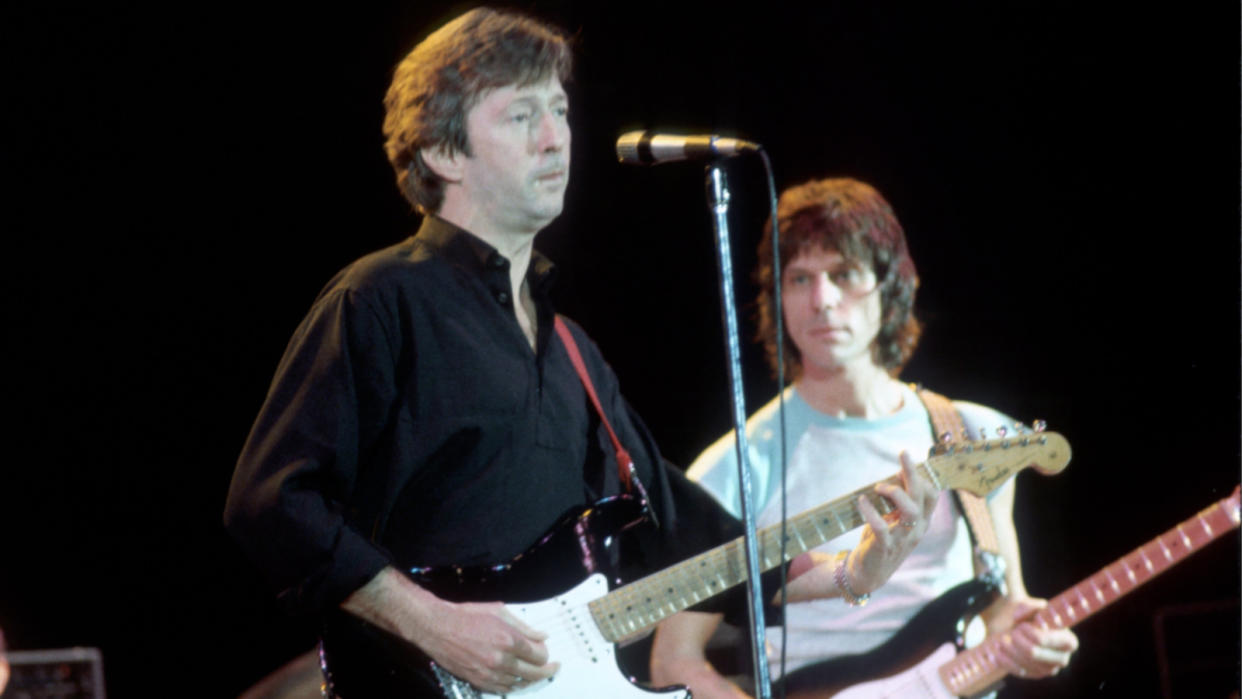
[410, 423]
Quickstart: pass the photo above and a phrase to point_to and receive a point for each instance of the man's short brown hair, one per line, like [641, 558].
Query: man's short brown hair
[436, 85]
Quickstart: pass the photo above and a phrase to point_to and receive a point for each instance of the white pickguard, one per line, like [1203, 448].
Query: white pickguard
[919, 682]
[588, 661]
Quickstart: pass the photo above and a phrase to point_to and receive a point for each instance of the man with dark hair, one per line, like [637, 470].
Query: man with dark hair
[848, 286]
[424, 413]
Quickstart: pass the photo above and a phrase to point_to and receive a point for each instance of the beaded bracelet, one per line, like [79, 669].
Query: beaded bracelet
[838, 576]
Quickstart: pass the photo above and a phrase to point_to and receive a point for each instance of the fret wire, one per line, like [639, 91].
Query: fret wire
[1207, 527]
[1168, 555]
[1056, 616]
[1112, 581]
[1185, 539]
[1099, 595]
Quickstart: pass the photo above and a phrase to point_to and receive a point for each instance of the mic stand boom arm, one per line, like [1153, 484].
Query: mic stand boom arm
[718, 202]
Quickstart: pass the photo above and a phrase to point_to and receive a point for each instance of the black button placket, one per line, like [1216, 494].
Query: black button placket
[499, 283]
[500, 279]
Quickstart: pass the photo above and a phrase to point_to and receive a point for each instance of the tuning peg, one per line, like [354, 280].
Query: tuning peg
[1021, 428]
[946, 437]
[983, 435]
[1001, 431]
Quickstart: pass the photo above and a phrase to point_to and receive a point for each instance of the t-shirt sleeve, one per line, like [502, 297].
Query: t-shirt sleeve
[715, 470]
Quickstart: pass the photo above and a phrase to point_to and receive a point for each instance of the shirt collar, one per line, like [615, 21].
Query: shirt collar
[467, 250]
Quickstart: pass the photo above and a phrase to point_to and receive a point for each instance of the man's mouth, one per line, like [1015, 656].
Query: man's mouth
[550, 176]
[828, 330]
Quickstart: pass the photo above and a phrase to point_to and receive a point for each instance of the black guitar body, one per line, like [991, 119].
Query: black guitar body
[943, 620]
[362, 661]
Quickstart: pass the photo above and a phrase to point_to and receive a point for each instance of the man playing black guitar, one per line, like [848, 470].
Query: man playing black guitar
[848, 288]
[426, 415]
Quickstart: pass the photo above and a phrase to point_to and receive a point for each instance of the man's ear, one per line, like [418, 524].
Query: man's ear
[444, 161]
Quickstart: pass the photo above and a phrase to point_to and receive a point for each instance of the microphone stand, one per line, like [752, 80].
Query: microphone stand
[718, 202]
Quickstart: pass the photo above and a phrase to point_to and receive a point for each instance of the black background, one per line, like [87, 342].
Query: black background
[184, 178]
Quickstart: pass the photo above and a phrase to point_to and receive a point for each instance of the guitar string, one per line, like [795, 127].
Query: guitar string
[723, 563]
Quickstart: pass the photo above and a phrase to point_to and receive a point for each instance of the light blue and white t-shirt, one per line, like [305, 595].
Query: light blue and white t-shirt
[829, 457]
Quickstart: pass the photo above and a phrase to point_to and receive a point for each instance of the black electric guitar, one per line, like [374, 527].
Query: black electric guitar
[545, 586]
[925, 659]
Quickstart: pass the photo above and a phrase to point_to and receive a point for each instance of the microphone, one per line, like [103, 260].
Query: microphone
[647, 148]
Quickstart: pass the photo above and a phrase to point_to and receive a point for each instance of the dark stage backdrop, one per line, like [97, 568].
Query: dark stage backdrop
[183, 178]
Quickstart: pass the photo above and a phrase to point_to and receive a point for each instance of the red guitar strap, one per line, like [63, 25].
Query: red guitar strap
[625, 465]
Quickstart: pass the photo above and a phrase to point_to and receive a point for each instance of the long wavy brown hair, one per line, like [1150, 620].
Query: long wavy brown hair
[851, 217]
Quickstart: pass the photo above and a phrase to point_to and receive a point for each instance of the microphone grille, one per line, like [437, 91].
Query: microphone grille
[628, 147]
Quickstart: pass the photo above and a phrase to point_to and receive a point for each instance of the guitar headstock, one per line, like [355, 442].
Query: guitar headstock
[981, 466]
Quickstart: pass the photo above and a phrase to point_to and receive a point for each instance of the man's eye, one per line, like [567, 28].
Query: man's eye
[850, 276]
[561, 111]
[520, 117]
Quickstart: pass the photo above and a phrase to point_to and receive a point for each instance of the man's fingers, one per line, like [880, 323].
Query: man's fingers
[1049, 656]
[513, 671]
[528, 631]
[1024, 652]
[533, 673]
[919, 487]
[907, 509]
[1060, 639]
[1006, 656]
[526, 651]
[528, 644]
[873, 519]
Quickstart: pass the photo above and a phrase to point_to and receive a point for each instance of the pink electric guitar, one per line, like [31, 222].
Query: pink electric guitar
[907, 667]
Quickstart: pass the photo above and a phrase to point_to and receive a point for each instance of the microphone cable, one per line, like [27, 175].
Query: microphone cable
[780, 390]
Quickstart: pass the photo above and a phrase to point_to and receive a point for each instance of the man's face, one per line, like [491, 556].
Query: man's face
[519, 139]
[832, 310]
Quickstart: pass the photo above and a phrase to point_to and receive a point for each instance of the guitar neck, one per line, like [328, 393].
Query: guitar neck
[980, 467]
[634, 608]
[1141, 565]
[972, 671]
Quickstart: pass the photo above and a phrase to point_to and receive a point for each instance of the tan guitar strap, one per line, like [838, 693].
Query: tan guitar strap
[946, 421]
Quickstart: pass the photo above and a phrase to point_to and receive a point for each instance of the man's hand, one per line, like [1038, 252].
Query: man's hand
[885, 542]
[1025, 650]
[678, 657]
[481, 643]
[888, 539]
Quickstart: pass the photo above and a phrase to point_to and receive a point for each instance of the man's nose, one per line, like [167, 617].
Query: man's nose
[824, 294]
[553, 133]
